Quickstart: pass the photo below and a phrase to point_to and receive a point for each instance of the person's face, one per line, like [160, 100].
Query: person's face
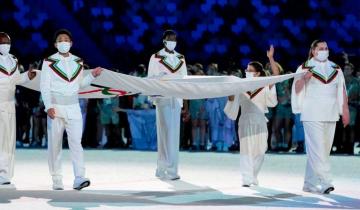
[63, 38]
[358, 74]
[321, 46]
[4, 39]
[251, 69]
[348, 70]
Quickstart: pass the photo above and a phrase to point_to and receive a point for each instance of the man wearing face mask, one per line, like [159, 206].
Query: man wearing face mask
[167, 62]
[320, 97]
[9, 77]
[61, 78]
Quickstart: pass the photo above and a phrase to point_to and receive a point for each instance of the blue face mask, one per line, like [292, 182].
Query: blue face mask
[249, 74]
[322, 55]
[63, 47]
[170, 45]
[5, 49]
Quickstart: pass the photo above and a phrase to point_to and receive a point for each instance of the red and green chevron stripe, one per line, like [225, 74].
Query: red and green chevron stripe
[4, 71]
[167, 65]
[254, 93]
[319, 76]
[54, 66]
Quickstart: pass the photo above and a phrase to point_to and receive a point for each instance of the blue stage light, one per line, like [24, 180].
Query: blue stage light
[171, 7]
[244, 49]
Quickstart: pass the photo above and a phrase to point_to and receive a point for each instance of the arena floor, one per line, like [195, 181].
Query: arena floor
[125, 180]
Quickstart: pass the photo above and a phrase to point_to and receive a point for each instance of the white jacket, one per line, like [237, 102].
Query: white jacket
[9, 77]
[164, 63]
[61, 80]
[322, 97]
[254, 103]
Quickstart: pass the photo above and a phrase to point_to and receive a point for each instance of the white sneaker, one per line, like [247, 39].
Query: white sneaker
[160, 174]
[80, 183]
[326, 188]
[4, 181]
[172, 177]
[58, 185]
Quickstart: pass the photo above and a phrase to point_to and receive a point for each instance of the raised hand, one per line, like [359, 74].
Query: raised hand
[270, 52]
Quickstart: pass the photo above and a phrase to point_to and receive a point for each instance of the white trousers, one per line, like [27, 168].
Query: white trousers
[252, 153]
[168, 135]
[319, 137]
[7, 144]
[55, 131]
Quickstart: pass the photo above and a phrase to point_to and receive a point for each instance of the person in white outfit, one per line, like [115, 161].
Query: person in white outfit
[320, 98]
[61, 79]
[167, 62]
[252, 129]
[9, 77]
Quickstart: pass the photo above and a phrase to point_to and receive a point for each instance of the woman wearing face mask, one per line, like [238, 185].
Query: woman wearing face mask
[167, 62]
[61, 79]
[252, 131]
[320, 97]
[9, 77]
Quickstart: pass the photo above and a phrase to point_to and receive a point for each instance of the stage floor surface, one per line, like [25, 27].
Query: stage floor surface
[125, 179]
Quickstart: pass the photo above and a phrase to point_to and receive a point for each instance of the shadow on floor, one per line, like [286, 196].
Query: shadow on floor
[182, 194]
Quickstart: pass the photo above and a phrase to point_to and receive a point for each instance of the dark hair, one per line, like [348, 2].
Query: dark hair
[168, 33]
[5, 34]
[314, 44]
[258, 67]
[62, 31]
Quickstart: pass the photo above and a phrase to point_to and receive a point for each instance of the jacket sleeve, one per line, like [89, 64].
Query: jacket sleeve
[20, 78]
[85, 80]
[45, 85]
[271, 97]
[232, 107]
[297, 98]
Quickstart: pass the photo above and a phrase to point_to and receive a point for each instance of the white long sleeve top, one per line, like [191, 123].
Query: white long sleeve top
[165, 63]
[61, 80]
[9, 77]
[322, 97]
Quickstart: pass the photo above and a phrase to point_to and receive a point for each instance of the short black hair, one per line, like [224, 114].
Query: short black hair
[62, 31]
[168, 33]
[5, 34]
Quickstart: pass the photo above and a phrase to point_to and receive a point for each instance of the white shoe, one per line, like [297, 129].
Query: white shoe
[4, 181]
[172, 177]
[160, 173]
[80, 183]
[326, 188]
[58, 185]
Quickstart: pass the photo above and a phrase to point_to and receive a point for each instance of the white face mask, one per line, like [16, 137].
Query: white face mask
[249, 74]
[63, 47]
[170, 45]
[322, 55]
[5, 49]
